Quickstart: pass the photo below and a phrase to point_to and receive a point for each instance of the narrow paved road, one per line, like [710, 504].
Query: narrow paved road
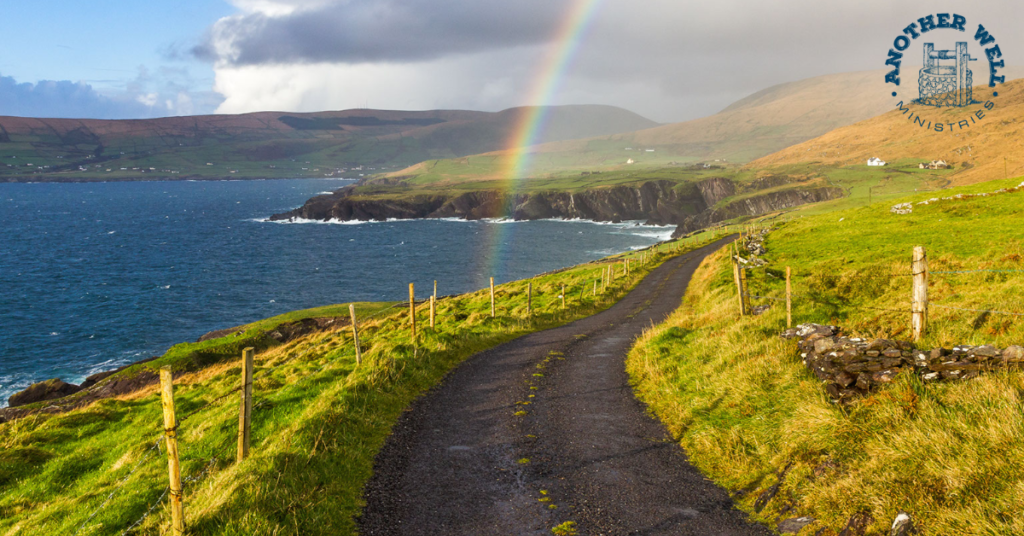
[462, 462]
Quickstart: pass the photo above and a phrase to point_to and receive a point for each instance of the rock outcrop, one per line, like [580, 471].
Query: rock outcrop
[692, 206]
[756, 205]
[658, 202]
[42, 391]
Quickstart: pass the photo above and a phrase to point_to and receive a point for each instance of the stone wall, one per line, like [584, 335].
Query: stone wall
[853, 367]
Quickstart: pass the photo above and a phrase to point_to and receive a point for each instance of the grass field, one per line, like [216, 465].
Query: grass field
[744, 407]
[318, 419]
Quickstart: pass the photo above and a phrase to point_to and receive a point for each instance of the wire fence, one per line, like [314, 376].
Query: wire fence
[454, 309]
[837, 301]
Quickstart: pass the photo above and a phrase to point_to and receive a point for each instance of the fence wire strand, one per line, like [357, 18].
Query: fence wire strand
[953, 272]
[974, 310]
[124, 480]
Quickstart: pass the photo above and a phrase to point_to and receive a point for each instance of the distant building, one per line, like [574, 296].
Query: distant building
[630, 161]
[876, 162]
[934, 164]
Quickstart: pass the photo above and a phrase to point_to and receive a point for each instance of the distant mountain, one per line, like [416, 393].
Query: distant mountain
[757, 125]
[774, 118]
[274, 144]
[985, 150]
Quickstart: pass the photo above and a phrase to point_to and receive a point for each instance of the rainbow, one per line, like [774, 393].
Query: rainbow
[549, 80]
[518, 159]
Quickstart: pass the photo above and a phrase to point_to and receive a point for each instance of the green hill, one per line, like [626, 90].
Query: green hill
[274, 144]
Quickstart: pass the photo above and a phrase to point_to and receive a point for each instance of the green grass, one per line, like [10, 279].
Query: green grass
[865, 185]
[744, 407]
[318, 420]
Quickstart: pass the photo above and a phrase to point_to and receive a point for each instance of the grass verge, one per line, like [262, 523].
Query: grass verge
[751, 416]
[318, 419]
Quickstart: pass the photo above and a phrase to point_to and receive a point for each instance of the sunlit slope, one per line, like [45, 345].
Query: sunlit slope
[977, 152]
[762, 123]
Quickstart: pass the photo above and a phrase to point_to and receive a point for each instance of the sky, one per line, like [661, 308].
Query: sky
[668, 60]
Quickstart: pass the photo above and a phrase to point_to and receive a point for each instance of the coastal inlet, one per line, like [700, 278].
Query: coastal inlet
[99, 275]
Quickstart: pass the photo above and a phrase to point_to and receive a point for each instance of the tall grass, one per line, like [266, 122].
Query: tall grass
[744, 407]
[318, 420]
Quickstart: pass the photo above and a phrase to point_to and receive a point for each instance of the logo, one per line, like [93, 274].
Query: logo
[945, 79]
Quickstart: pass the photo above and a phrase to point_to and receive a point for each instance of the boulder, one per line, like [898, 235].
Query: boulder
[986, 351]
[823, 345]
[845, 379]
[885, 376]
[38, 392]
[880, 344]
[903, 525]
[96, 378]
[1013, 354]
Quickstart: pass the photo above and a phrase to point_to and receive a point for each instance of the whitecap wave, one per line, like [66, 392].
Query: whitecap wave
[301, 221]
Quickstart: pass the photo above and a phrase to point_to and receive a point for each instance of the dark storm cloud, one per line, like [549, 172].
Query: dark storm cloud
[381, 31]
[669, 60]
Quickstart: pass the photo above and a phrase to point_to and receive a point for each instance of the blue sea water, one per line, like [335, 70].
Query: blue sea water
[93, 276]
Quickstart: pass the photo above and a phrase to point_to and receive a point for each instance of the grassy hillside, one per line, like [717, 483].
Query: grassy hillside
[987, 150]
[318, 419]
[273, 144]
[746, 409]
[762, 123]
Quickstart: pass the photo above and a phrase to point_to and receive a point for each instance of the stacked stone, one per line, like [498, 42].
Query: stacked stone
[753, 243]
[853, 367]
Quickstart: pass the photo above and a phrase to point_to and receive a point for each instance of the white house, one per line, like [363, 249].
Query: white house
[630, 161]
[876, 162]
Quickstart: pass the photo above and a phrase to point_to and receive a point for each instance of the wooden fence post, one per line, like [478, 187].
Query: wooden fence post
[739, 285]
[919, 310]
[433, 300]
[171, 438]
[492, 297]
[595, 288]
[245, 405]
[789, 299]
[435, 290]
[412, 309]
[563, 296]
[746, 292]
[355, 333]
[529, 298]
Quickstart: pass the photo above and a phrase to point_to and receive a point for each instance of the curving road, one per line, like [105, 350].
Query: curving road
[461, 462]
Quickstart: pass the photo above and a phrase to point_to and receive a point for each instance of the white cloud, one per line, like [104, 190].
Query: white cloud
[147, 99]
[479, 82]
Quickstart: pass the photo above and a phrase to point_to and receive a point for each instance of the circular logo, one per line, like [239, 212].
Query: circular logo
[946, 77]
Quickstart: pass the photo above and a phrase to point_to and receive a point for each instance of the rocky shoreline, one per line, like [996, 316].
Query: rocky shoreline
[689, 206]
[68, 396]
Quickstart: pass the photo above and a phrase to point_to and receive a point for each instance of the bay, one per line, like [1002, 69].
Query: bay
[93, 276]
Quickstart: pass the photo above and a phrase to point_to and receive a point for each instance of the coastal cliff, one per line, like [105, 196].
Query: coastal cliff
[658, 202]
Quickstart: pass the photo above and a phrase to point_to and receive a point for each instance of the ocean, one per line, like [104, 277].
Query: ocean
[97, 275]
